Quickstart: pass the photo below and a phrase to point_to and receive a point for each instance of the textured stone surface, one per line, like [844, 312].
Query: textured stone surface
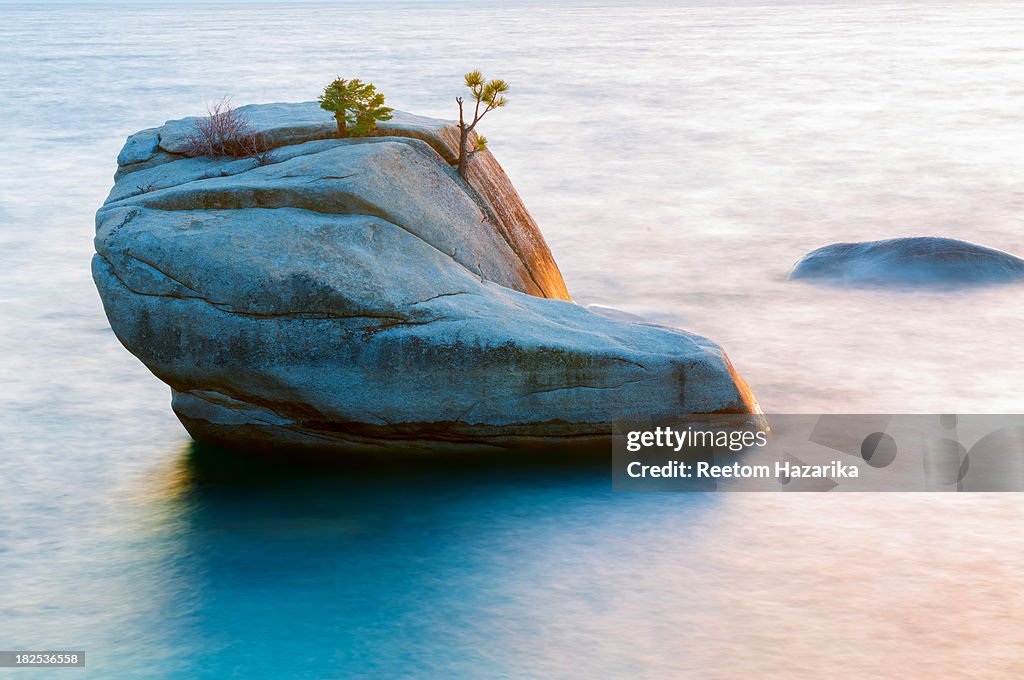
[355, 294]
[918, 261]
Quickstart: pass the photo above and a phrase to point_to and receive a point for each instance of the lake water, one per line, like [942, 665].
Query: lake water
[679, 157]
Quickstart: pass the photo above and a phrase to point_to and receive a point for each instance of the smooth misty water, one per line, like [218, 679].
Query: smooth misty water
[679, 159]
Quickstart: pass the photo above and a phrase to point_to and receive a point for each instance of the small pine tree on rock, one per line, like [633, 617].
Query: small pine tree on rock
[357, 106]
[486, 93]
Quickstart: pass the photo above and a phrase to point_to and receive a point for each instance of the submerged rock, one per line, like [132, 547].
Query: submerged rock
[356, 294]
[918, 261]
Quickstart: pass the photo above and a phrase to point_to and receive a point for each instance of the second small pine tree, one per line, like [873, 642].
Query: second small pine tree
[488, 94]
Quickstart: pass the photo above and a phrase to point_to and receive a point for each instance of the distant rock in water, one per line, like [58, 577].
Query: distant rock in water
[355, 294]
[923, 261]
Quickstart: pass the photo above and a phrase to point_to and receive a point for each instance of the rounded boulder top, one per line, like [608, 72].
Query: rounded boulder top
[914, 262]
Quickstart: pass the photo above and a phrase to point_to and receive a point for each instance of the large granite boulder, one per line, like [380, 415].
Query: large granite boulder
[923, 261]
[355, 294]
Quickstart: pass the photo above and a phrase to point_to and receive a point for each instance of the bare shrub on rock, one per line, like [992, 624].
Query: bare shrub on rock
[256, 146]
[224, 132]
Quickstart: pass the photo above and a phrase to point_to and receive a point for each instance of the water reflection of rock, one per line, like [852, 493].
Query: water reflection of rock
[386, 571]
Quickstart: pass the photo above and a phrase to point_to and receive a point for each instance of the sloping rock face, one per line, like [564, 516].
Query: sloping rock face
[922, 261]
[354, 295]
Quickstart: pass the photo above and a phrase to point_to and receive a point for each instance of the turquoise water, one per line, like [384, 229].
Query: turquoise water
[679, 158]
